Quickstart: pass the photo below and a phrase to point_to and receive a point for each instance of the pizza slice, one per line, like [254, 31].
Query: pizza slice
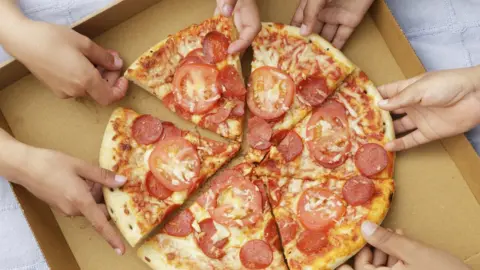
[163, 165]
[319, 221]
[195, 77]
[291, 75]
[230, 226]
[342, 137]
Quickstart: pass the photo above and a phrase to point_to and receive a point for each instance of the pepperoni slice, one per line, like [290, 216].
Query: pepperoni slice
[239, 109]
[205, 242]
[288, 229]
[271, 235]
[195, 87]
[256, 254]
[175, 163]
[170, 130]
[319, 208]
[147, 129]
[259, 133]
[220, 116]
[156, 188]
[231, 82]
[313, 90]
[371, 159]
[327, 133]
[278, 136]
[194, 57]
[270, 93]
[180, 225]
[230, 191]
[358, 190]
[215, 46]
[261, 189]
[275, 193]
[291, 146]
[311, 242]
[271, 165]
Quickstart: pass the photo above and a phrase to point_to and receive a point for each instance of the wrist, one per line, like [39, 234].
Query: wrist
[14, 25]
[12, 158]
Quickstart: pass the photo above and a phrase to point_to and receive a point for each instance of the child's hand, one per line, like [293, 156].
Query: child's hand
[396, 252]
[437, 105]
[69, 185]
[247, 21]
[335, 20]
[70, 64]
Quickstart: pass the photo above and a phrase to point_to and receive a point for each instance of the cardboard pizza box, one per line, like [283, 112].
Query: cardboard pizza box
[438, 189]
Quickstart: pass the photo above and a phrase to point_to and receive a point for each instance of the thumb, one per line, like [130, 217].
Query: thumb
[99, 175]
[226, 7]
[391, 243]
[310, 14]
[99, 56]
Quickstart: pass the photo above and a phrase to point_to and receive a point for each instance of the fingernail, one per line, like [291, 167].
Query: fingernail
[117, 61]
[303, 30]
[383, 102]
[120, 179]
[227, 10]
[368, 228]
[118, 251]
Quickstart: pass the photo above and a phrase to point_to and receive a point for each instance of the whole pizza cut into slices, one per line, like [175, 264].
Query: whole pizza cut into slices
[320, 221]
[291, 75]
[163, 166]
[230, 226]
[195, 77]
[343, 137]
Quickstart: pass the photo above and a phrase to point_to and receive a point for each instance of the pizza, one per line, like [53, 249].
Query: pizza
[319, 221]
[163, 166]
[195, 77]
[230, 226]
[291, 75]
[341, 138]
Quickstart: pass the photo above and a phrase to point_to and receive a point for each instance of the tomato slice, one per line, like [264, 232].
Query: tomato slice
[156, 188]
[236, 201]
[311, 242]
[319, 208]
[231, 82]
[271, 92]
[194, 57]
[175, 163]
[195, 87]
[215, 47]
[327, 134]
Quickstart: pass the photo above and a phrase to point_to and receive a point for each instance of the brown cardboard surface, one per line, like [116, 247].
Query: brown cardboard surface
[435, 199]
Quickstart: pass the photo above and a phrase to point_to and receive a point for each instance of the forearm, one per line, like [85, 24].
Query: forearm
[12, 21]
[12, 156]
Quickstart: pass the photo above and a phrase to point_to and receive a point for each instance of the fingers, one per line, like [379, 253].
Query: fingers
[408, 141]
[100, 175]
[102, 91]
[249, 20]
[97, 217]
[107, 59]
[363, 258]
[310, 16]
[404, 124]
[298, 16]
[345, 267]
[389, 242]
[400, 94]
[97, 192]
[342, 35]
[226, 7]
[329, 31]
[379, 258]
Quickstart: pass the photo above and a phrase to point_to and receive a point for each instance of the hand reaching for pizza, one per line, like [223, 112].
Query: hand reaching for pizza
[397, 252]
[64, 60]
[437, 105]
[334, 20]
[246, 18]
[67, 184]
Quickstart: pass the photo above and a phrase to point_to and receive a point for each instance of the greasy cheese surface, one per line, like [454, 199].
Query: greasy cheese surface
[345, 237]
[133, 209]
[155, 69]
[169, 252]
[366, 124]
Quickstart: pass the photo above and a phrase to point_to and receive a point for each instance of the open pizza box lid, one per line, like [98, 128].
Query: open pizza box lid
[437, 184]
